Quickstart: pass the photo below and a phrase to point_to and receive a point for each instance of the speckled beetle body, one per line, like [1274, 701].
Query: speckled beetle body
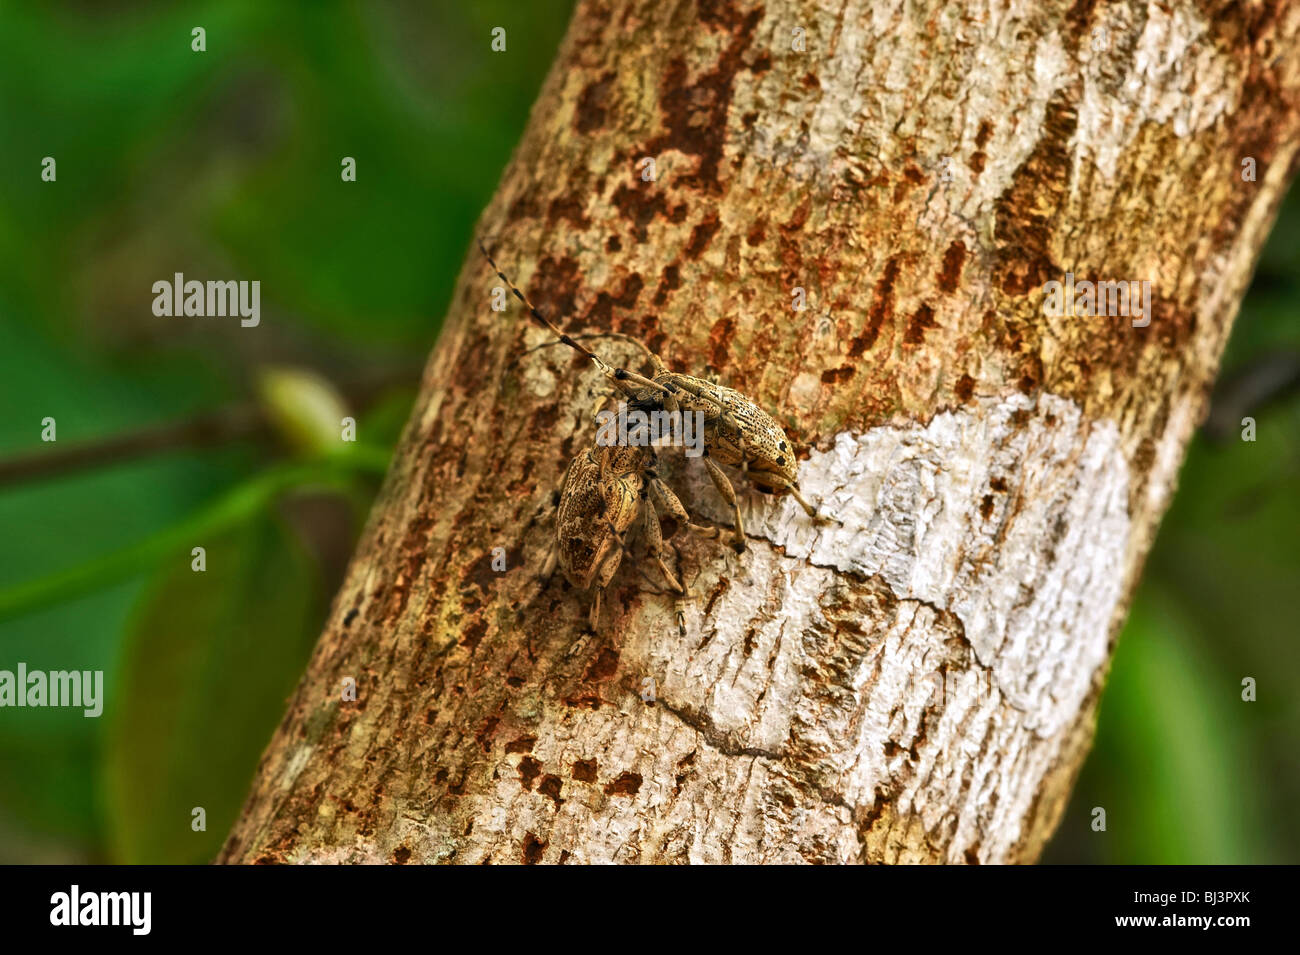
[603, 492]
[737, 433]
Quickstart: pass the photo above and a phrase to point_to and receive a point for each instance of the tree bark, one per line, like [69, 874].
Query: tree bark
[919, 683]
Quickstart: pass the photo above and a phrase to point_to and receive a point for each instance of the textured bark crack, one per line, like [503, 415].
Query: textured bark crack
[711, 736]
[876, 579]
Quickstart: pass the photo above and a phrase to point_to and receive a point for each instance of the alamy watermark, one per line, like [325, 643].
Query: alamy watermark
[84, 688]
[1109, 299]
[658, 428]
[208, 299]
[129, 909]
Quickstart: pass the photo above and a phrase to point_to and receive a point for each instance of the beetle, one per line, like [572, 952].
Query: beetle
[603, 492]
[737, 431]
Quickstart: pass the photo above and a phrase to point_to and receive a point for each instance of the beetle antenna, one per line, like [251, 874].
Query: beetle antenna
[587, 336]
[609, 371]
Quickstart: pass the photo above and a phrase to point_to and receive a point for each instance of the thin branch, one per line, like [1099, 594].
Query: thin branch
[233, 423]
[207, 430]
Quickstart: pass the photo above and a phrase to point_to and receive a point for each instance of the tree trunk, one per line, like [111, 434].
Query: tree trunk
[920, 682]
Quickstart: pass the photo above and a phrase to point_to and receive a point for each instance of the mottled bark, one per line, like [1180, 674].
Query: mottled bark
[920, 170]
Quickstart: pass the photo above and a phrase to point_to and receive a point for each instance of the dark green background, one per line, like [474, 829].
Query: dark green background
[225, 164]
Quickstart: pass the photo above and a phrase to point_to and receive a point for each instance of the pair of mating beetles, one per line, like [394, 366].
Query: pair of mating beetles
[606, 488]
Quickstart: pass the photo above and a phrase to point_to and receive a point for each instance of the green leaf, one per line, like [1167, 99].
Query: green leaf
[209, 661]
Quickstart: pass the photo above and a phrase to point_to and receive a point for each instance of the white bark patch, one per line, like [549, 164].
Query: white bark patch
[1035, 583]
[1137, 66]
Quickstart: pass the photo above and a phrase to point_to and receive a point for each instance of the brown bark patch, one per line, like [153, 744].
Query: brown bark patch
[1026, 212]
[571, 208]
[670, 281]
[720, 336]
[639, 205]
[550, 787]
[533, 849]
[591, 113]
[694, 114]
[521, 744]
[701, 236]
[954, 258]
[603, 668]
[627, 784]
[601, 313]
[882, 309]
[529, 769]
[922, 320]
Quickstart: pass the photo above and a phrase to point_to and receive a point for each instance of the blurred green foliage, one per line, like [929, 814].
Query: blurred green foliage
[226, 164]
[207, 661]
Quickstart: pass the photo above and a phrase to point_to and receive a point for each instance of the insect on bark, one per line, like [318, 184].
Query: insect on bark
[737, 432]
[604, 491]
[606, 488]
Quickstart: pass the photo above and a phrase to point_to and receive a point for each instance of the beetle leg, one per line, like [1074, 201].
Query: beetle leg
[655, 543]
[667, 499]
[603, 577]
[809, 508]
[679, 604]
[723, 484]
